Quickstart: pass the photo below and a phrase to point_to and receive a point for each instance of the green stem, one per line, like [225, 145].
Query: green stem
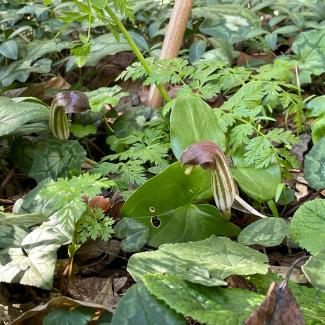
[136, 51]
[273, 208]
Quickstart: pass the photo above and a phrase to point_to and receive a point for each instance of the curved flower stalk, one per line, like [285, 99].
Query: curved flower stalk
[65, 103]
[210, 156]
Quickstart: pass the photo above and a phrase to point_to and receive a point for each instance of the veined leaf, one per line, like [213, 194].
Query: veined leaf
[207, 262]
[207, 305]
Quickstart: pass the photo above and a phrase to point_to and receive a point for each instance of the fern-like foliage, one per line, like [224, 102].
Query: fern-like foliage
[67, 196]
[141, 150]
[94, 224]
[124, 7]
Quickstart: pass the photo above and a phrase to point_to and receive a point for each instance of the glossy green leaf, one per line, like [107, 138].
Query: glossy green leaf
[207, 262]
[267, 232]
[139, 307]
[13, 115]
[203, 304]
[259, 184]
[169, 199]
[314, 168]
[134, 233]
[192, 120]
[311, 301]
[9, 49]
[314, 270]
[307, 227]
[54, 158]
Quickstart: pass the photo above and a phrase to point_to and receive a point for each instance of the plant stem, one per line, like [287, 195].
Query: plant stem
[273, 208]
[136, 51]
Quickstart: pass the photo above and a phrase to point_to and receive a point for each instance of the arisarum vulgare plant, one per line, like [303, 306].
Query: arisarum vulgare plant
[209, 156]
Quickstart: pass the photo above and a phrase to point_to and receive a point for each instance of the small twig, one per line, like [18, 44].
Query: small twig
[285, 281]
[308, 197]
[7, 179]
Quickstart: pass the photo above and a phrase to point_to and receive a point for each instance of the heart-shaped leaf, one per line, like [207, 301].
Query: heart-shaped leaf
[54, 158]
[207, 262]
[166, 204]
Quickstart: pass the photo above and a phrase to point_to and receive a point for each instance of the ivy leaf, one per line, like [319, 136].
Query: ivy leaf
[206, 305]
[314, 270]
[139, 307]
[314, 169]
[307, 227]
[267, 232]
[207, 262]
[54, 158]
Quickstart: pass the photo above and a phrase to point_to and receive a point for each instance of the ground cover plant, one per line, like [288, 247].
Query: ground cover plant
[206, 210]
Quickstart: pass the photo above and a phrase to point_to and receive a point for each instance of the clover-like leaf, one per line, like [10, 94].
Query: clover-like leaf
[307, 226]
[207, 262]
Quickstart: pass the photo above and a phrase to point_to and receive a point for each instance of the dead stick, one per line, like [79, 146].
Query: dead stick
[172, 42]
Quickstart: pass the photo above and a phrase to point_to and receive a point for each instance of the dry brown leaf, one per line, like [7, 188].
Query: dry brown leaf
[278, 308]
[35, 316]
